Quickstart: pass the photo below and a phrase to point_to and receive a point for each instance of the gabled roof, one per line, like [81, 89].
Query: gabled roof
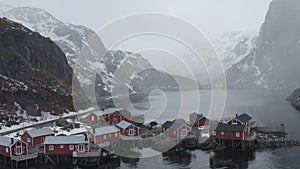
[175, 124]
[104, 130]
[243, 117]
[124, 124]
[124, 112]
[40, 132]
[197, 116]
[229, 127]
[167, 124]
[106, 111]
[66, 140]
[6, 141]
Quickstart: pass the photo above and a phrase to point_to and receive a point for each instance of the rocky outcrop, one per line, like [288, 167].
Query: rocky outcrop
[34, 72]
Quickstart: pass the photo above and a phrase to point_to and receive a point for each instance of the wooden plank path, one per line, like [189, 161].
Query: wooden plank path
[24, 157]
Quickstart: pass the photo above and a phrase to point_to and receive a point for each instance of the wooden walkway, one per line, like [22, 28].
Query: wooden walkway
[87, 154]
[24, 157]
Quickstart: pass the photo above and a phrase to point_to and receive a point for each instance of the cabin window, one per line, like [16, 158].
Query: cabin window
[174, 131]
[51, 147]
[6, 150]
[237, 134]
[109, 135]
[234, 122]
[61, 146]
[19, 148]
[183, 132]
[93, 118]
[115, 121]
[104, 137]
[28, 140]
[214, 133]
[71, 147]
[81, 148]
[222, 133]
[131, 130]
[116, 134]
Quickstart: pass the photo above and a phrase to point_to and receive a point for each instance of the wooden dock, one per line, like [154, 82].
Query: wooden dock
[24, 157]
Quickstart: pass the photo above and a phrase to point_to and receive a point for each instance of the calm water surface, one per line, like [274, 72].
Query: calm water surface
[267, 107]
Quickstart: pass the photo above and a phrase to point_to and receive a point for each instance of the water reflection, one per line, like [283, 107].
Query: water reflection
[231, 159]
[182, 158]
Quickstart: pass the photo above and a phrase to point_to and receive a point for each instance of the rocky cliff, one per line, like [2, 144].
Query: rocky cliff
[34, 72]
[274, 62]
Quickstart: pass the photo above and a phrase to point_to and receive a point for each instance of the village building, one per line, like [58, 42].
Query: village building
[66, 144]
[36, 136]
[105, 134]
[229, 132]
[112, 116]
[10, 147]
[198, 120]
[176, 128]
[128, 129]
[243, 119]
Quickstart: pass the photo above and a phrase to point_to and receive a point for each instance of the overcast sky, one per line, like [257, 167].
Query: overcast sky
[213, 17]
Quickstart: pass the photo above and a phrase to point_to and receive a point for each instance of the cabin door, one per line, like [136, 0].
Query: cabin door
[183, 132]
[19, 148]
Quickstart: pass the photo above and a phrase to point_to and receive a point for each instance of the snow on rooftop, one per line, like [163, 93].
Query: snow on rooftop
[40, 132]
[124, 124]
[6, 141]
[66, 140]
[104, 130]
[106, 111]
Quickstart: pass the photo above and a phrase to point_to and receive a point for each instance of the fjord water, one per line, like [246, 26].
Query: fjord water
[267, 107]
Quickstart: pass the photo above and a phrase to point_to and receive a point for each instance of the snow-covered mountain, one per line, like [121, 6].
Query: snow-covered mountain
[274, 62]
[232, 47]
[71, 39]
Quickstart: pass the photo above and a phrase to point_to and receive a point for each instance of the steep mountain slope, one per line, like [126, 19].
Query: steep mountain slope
[71, 39]
[232, 47]
[274, 62]
[35, 75]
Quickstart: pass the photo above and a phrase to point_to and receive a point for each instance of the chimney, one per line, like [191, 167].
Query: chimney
[236, 115]
[102, 109]
[12, 140]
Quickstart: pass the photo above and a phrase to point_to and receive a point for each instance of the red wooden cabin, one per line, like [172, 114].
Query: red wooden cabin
[243, 119]
[128, 129]
[176, 129]
[112, 116]
[36, 136]
[198, 120]
[12, 147]
[66, 144]
[229, 132]
[104, 134]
